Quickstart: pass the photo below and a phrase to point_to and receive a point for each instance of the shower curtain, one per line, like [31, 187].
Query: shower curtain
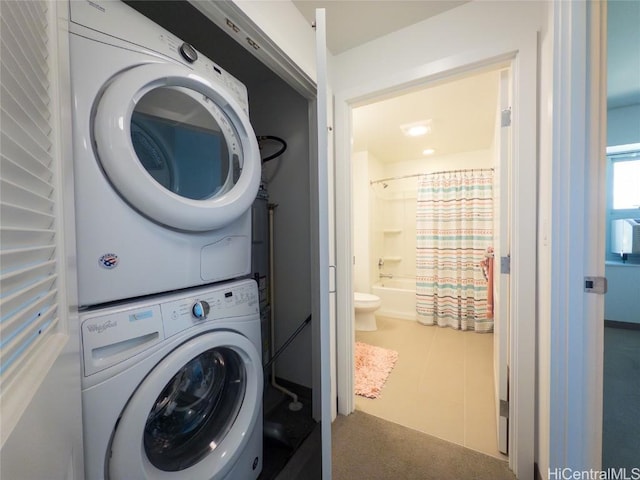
[454, 233]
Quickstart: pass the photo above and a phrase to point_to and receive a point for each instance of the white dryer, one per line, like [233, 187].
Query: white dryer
[166, 162]
[172, 387]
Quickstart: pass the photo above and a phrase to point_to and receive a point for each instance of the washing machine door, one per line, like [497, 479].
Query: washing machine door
[177, 147]
[193, 414]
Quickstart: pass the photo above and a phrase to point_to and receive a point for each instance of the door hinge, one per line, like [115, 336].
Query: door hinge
[505, 117]
[505, 264]
[595, 285]
[504, 408]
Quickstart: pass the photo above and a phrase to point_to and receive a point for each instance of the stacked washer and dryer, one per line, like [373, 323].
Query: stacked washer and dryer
[166, 168]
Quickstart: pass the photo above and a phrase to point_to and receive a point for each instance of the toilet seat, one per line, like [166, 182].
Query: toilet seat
[365, 299]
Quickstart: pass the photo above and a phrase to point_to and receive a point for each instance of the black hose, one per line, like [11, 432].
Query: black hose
[289, 340]
[283, 146]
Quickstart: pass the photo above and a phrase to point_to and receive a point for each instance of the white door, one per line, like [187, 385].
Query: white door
[179, 148]
[502, 255]
[328, 390]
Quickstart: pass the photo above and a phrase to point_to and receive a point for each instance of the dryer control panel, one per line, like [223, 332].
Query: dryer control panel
[115, 334]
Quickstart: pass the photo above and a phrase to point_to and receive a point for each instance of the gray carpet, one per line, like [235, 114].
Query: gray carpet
[621, 412]
[367, 447]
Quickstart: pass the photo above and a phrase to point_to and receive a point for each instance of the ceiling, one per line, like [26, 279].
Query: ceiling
[460, 113]
[353, 22]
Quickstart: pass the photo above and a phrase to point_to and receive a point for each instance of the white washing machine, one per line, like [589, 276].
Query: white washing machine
[166, 162]
[172, 387]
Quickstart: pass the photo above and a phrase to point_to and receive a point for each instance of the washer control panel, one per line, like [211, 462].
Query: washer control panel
[115, 334]
[238, 300]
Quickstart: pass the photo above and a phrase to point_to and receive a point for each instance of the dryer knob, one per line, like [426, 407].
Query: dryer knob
[188, 52]
[200, 309]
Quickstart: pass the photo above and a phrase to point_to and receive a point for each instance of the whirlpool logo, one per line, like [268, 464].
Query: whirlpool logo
[108, 261]
[101, 327]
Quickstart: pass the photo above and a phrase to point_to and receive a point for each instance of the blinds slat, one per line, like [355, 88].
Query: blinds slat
[15, 348]
[25, 237]
[12, 193]
[22, 17]
[31, 85]
[37, 11]
[11, 260]
[15, 41]
[13, 368]
[22, 169]
[14, 305]
[31, 140]
[15, 216]
[12, 325]
[16, 100]
[23, 279]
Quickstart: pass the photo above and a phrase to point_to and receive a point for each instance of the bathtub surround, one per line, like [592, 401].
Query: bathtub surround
[454, 229]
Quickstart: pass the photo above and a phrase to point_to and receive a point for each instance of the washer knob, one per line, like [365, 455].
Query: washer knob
[188, 52]
[200, 309]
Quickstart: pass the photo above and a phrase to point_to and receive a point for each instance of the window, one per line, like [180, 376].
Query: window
[626, 181]
[623, 189]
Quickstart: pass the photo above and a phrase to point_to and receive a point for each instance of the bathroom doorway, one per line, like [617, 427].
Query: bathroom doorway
[443, 382]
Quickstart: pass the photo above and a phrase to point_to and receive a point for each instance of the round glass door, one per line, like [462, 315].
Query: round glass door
[193, 413]
[177, 147]
[196, 410]
[186, 144]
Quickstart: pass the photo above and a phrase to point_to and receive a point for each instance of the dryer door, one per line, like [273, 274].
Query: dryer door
[177, 147]
[192, 415]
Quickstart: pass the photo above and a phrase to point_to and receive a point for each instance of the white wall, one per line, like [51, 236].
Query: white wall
[623, 125]
[361, 226]
[621, 303]
[376, 221]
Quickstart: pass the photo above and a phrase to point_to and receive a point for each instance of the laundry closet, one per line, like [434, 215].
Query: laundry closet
[276, 109]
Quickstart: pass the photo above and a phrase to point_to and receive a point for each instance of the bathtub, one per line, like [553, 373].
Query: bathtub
[398, 296]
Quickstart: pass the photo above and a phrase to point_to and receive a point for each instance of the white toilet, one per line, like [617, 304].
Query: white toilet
[365, 304]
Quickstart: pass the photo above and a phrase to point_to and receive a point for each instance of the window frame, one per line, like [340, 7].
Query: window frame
[619, 153]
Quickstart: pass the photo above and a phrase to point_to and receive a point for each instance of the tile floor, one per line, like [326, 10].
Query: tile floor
[442, 383]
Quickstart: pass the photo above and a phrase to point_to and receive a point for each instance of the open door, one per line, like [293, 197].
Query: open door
[325, 320]
[502, 265]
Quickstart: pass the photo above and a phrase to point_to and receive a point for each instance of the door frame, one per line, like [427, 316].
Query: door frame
[522, 54]
[577, 217]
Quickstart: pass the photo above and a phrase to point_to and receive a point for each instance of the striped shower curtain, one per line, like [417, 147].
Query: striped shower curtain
[454, 232]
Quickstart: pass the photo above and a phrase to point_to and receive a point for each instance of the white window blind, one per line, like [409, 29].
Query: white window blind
[28, 225]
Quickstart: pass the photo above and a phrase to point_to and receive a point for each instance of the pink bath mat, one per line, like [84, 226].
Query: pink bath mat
[373, 366]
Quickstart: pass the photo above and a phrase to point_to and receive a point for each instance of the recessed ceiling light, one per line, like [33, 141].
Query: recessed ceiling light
[428, 151]
[416, 129]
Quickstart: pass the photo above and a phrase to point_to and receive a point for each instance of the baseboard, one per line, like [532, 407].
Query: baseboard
[625, 325]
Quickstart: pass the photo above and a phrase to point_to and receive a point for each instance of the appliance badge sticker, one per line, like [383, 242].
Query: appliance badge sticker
[108, 261]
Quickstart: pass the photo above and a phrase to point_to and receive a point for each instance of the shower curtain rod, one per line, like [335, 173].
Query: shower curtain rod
[372, 182]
